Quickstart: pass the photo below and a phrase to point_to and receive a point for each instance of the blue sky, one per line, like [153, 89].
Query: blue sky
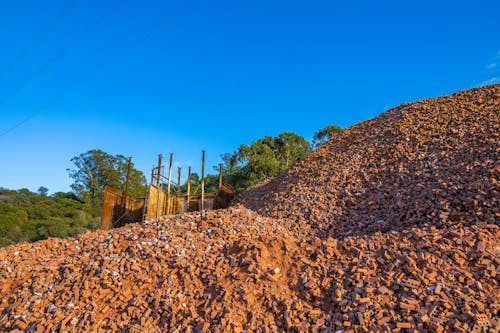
[146, 77]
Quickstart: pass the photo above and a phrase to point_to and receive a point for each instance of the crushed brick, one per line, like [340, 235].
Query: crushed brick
[391, 226]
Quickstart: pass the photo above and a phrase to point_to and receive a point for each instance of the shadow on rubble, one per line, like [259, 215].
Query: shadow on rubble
[456, 191]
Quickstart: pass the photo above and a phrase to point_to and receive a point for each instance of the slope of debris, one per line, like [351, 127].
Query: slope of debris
[434, 161]
[179, 272]
[392, 226]
[236, 271]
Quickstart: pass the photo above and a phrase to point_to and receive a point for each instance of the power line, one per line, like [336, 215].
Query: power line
[72, 43]
[39, 39]
[100, 70]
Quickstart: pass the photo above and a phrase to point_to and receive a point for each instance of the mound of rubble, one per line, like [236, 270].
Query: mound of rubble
[432, 162]
[392, 226]
[233, 270]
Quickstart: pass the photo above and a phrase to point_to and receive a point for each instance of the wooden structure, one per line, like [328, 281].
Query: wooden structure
[118, 209]
[163, 198]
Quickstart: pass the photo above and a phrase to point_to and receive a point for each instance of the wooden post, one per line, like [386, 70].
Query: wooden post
[178, 188]
[220, 175]
[127, 180]
[178, 180]
[145, 210]
[202, 206]
[188, 187]
[169, 182]
[159, 187]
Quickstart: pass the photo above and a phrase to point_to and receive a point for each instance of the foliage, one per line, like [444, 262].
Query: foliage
[232, 172]
[263, 159]
[95, 169]
[27, 216]
[211, 184]
[323, 135]
[42, 190]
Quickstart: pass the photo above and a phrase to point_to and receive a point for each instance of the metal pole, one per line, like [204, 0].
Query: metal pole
[127, 179]
[159, 187]
[169, 178]
[220, 175]
[202, 206]
[188, 187]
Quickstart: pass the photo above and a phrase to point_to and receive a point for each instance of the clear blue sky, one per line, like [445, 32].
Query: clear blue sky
[218, 74]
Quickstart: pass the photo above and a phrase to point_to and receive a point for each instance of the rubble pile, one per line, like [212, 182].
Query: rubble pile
[182, 272]
[432, 162]
[233, 270]
[392, 226]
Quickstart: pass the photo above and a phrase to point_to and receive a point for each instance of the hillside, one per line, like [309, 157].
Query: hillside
[28, 216]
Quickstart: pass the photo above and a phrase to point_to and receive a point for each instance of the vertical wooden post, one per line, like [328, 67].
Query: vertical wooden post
[147, 205]
[202, 206]
[220, 175]
[127, 180]
[169, 182]
[178, 180]
[178, 188]
[188, 187]
[159, 187]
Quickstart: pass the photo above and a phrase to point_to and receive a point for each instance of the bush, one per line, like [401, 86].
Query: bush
[27, 216]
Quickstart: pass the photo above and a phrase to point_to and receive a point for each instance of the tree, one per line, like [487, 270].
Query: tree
[323, 135]
[230, 164]
[137, 180]
[211, 184]
[28, 216]
[269, 157]
[232, 171]
[95, 169]
[260, 160]
[43, 191]
[290, 149]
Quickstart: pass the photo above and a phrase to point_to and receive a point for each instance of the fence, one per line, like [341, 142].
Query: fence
[163, 198]
[118, 209]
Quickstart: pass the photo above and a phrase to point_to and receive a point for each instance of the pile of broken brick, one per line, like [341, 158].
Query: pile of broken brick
[433, 162]
[313, 264]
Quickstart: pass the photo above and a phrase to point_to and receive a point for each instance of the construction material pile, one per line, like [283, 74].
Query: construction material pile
[430, 162]
[234, 270]
[391, 226]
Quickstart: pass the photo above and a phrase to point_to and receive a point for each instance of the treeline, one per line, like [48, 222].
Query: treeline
[28, 216]
[270, 156]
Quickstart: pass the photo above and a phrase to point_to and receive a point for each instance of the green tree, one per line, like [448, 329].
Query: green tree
[290, 149]
[95, 169]
[323, 135]
[211, 184]
[232, 172]
[137, 180]
[43, 191]
[269, 157]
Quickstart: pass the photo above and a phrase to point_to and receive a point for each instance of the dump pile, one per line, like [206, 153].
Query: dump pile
[177, 273]
[404, 240]
[234, 270]
[430, 162]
